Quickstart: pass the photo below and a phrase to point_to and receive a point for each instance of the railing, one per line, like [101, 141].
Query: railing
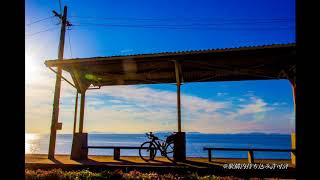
[250, 152]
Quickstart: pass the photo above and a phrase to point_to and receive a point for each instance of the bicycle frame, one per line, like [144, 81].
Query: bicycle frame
[159, 146]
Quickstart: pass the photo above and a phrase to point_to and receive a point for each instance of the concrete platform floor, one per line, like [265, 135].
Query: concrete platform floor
[129, 160]
[160, 164]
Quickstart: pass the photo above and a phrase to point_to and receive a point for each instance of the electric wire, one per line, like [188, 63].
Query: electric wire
[40, 20]
[49, 29]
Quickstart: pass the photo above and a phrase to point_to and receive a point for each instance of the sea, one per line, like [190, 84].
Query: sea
[195, 142]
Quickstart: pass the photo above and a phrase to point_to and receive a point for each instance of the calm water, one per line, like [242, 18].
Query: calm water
[38, 144]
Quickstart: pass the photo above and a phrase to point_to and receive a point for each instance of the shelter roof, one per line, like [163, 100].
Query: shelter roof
[228, 64]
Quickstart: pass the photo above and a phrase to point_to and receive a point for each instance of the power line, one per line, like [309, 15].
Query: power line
[190, 24]
[39, 20]
[179, 27]
[49, 29]
[180, 19]
[161, 25]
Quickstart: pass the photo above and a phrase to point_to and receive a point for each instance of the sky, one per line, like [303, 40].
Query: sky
[104, 28]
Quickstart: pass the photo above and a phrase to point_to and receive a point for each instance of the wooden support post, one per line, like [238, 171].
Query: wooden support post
[82, 105]
[178, 80]
[79, 148]
[294, 95]
[75, 114]
[179, 107]
[293, 134]
[151, 153]
[293, 146]
[209, 155]
[55, 112]
[116, 153]
[250, 156]
[179, 150]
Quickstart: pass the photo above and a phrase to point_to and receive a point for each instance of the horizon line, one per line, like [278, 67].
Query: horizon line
[192, 132]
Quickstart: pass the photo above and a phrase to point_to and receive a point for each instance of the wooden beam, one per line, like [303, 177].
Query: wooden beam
[209, 156]
[179, 107]
[62, 77]
[293, 134]
[293, 146]
[75, 114]
[77, 79]
[249, 149]
[116, 153]
[178, 80]
[294, 94]
[82, 85]
[250, 156]
[82, 106]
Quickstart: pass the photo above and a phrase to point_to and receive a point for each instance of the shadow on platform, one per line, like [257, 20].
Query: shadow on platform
[55, 161]
[90, 162]
[160, 165]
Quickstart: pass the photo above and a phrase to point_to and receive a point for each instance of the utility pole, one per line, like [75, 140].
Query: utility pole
[55, 113]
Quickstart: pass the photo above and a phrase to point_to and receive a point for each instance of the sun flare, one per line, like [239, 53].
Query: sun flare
[31, 143]
[30, 67]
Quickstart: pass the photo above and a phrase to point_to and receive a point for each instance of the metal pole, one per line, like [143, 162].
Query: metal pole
[83, 95]
[75, 114]
[55, 112]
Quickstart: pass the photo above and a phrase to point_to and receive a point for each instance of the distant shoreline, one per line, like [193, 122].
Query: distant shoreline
[252, 133]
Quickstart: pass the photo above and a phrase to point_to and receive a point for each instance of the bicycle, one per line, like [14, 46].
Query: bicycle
[148, 149]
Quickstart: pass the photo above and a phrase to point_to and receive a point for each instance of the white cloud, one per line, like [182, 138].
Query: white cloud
[258, 105]
[160, 98]
[241, 99]
[126, 50]
[115, 101]
[90, 101]
[222, 94]
[140, 108]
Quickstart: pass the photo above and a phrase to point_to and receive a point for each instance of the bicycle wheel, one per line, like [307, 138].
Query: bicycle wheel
[169, 151]
[147, 151]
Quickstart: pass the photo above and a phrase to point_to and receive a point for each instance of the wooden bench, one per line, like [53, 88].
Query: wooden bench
[250, 151]
[116, 149]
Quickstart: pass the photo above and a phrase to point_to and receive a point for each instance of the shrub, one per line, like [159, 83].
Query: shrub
[58, 174]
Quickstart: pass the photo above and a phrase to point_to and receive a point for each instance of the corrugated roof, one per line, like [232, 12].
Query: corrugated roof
[196, 51]
[225, 64]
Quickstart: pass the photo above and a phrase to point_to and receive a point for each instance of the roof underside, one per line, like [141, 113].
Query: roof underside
[249, 63]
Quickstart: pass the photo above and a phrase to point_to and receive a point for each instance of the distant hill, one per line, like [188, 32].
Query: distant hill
[261, 133]
[169, 132]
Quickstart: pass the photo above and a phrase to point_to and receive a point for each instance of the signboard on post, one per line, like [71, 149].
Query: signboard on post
[58, 126]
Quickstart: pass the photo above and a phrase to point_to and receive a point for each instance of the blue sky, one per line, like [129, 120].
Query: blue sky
[264, 106]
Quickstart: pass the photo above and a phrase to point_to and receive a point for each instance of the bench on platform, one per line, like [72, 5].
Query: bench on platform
[250, 151]
[116, 149]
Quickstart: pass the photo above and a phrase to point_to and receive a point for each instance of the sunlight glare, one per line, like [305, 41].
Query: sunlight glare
[31, 143]
[30, 67]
